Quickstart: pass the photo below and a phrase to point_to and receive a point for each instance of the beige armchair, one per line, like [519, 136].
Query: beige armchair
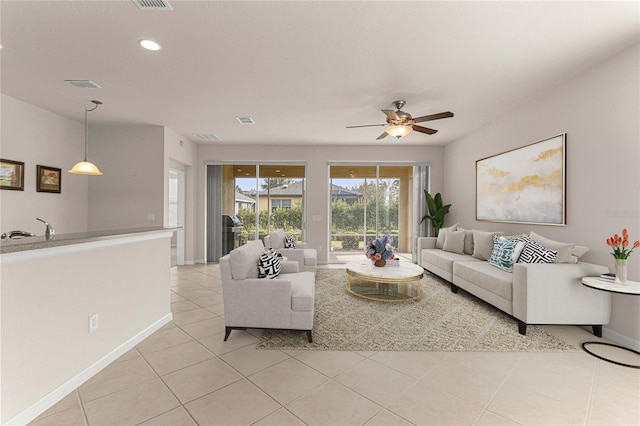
[306, 257]
[286, 302]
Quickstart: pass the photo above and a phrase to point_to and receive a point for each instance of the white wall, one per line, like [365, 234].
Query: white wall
[317, 159]
[37, 136]
[133, 183]
[600, 113]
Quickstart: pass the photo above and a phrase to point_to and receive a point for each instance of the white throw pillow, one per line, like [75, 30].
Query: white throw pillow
[483, 243]
[468, 240]
[454, 241]
[442, 236]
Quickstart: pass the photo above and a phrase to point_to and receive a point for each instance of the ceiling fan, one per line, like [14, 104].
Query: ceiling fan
[401, 123]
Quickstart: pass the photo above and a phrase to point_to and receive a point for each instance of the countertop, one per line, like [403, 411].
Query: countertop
[40, 242]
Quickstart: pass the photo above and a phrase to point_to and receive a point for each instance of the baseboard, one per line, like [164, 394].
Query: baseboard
[63, 390]
[621, 338]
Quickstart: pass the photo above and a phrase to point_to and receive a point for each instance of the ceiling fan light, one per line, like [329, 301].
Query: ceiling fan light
[85, 168]
[399, 130]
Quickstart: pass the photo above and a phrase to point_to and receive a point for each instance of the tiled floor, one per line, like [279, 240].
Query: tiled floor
[185, 374]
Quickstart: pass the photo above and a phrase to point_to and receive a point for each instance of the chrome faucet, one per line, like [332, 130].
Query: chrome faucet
[49, 232]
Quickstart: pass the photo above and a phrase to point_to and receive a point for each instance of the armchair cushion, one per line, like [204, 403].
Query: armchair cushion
[244, 260]
[277, 238]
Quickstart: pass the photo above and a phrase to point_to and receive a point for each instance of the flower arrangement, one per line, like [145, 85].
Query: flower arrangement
[620, 245]
[380, 248]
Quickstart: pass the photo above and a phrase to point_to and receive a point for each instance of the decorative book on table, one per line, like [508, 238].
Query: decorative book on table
[609, 277]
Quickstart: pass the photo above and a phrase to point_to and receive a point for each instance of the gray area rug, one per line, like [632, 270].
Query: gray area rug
[441, 321]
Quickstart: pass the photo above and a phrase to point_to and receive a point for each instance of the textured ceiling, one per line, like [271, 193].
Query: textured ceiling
[303, 70]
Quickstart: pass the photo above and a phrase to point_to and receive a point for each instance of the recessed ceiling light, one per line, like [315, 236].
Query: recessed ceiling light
[149, 44]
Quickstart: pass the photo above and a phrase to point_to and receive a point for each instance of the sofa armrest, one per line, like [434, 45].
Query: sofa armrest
[289, 267]
[301, 245]
[425, 243]
[553, 293]
[293, 255]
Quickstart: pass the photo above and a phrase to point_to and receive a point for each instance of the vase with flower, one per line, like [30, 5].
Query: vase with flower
[621, 252]
[380, 250]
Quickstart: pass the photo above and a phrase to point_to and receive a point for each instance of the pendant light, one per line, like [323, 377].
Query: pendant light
[86, 167]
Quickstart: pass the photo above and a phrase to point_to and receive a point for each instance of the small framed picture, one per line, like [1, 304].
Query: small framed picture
[11, 175]
[48, 179]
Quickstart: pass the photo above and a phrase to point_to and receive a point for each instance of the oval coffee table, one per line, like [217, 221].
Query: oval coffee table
[385, 284]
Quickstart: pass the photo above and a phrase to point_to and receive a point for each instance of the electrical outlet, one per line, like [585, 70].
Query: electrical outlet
[93, 322]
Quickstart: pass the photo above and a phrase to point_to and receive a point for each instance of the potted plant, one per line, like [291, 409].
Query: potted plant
[437, 211]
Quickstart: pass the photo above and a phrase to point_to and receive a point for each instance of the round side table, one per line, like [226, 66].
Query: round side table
[630, 288]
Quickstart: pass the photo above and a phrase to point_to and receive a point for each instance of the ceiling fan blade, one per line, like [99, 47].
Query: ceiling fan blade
[382, 136]
[391, 114]
[426, 130]
[366, 125]
[433, 117]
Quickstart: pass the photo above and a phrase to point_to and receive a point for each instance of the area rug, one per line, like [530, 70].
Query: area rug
[440, 321]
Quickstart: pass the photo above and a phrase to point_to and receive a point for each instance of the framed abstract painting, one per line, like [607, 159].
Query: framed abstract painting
[524, 185]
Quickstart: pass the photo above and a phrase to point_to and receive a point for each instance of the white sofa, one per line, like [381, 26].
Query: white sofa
[533, 293]
[285, 302]
[305, 256]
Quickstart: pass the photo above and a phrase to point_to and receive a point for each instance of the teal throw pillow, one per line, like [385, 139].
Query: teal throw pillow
[502, 254]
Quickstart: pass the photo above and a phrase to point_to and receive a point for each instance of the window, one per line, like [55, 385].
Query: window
[280, 204]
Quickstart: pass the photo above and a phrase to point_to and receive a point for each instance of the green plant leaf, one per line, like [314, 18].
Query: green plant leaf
[438, 200]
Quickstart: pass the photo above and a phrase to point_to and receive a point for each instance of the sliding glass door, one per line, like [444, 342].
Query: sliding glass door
[262, 198]
[368, 201]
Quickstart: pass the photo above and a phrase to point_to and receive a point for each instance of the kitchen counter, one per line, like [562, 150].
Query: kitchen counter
[87, 297]
[40, 242]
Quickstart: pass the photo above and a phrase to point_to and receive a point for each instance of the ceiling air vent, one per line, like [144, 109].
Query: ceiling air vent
[245, 120]
[84, 84]
[153, 4]
[209, 137]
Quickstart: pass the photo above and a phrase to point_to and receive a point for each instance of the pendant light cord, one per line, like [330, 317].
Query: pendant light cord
[86, 128]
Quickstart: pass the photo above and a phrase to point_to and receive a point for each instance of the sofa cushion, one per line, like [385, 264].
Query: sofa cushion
[468, 240]
[483, 243]
[269, 264]
[454, 241]
[276, 238]
[441, 259]
[302, 290]
[485, 275]
[244, 260]
[565, 250]
[442, 235]
[577, 253]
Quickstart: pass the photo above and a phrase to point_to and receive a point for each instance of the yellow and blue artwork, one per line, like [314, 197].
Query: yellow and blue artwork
[524, 185]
